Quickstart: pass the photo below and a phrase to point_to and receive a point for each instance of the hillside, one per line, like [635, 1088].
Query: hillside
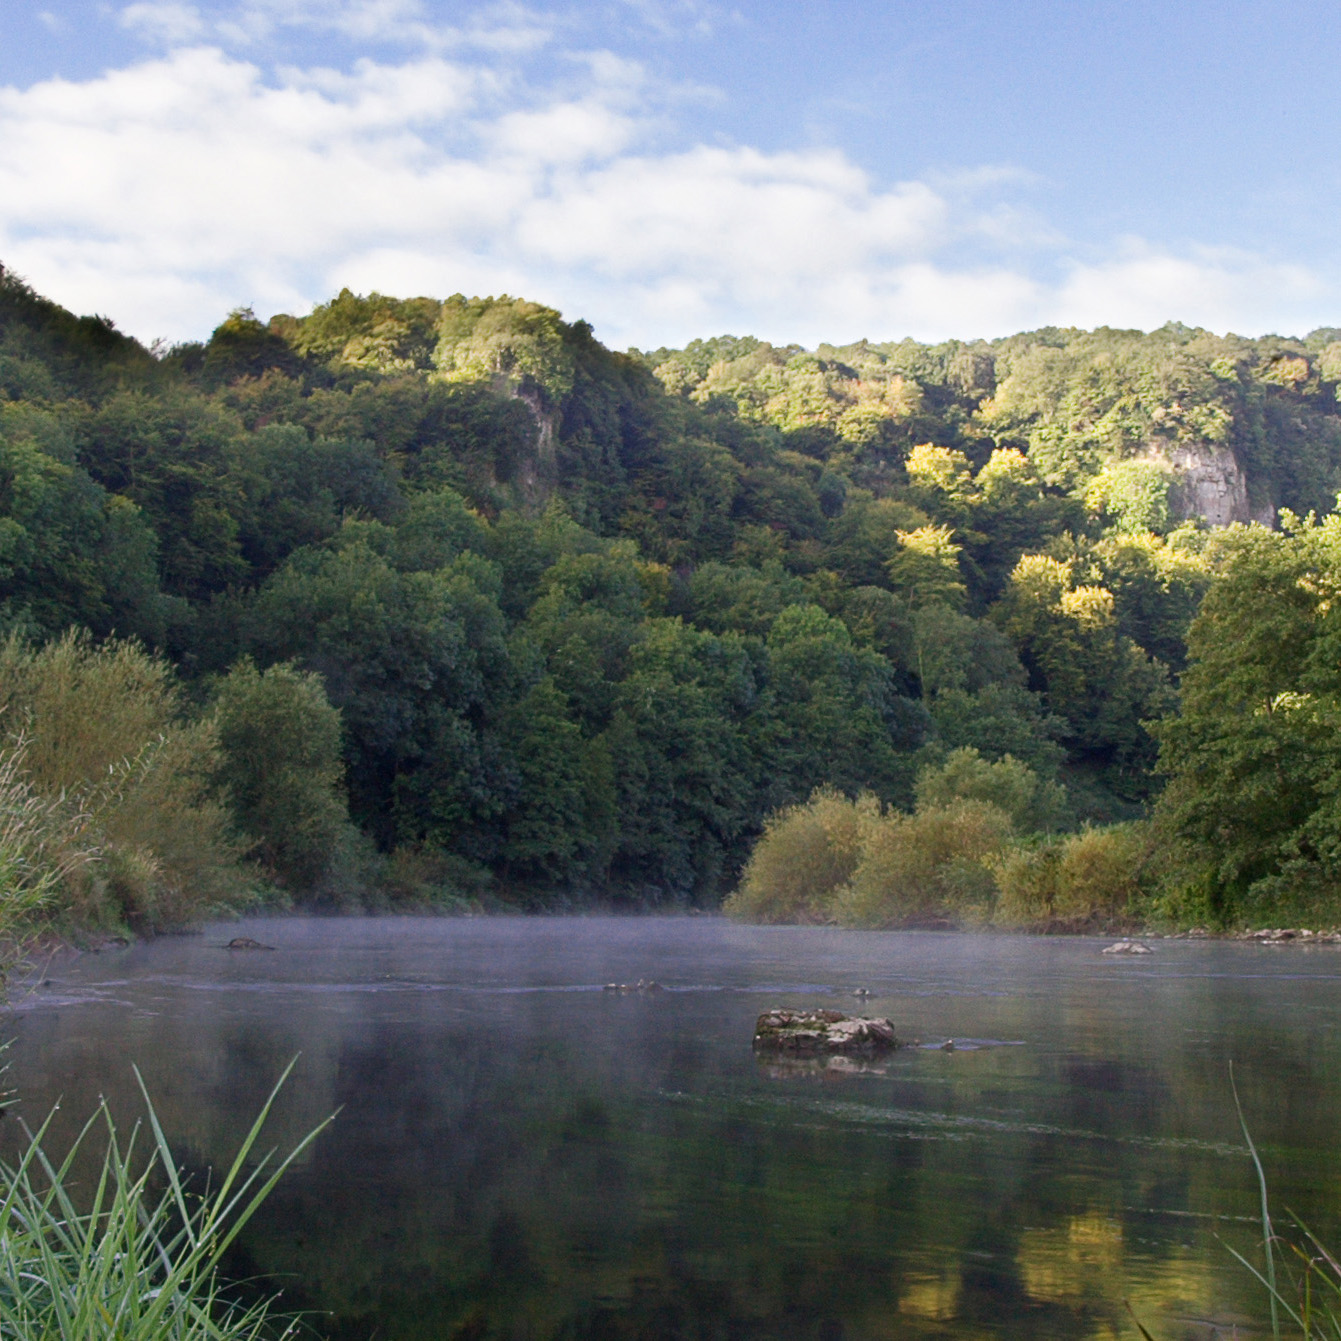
[588, 617]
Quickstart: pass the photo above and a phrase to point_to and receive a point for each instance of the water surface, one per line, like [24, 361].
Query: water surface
[520, 1154]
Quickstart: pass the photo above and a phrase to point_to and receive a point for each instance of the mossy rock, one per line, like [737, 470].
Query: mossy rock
[823, 1031]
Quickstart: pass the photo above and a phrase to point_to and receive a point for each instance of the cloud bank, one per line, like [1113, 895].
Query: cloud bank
[200, 178]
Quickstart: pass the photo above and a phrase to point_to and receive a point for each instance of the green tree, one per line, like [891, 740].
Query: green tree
[558, 827]
[1090, 675]
[1253, 761]
[418, 665]
[833, 715]
[280, 766]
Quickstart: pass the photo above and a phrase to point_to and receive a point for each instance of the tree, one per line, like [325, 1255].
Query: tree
[833, 713]
[280, 767]
[418, 665]
[1254, 765]
[1099, 681]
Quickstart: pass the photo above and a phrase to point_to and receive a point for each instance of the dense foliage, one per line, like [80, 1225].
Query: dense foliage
[459, 603]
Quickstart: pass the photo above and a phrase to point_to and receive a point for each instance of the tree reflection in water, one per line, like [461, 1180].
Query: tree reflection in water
[520, 1155]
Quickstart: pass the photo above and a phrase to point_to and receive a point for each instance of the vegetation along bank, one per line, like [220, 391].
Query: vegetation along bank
[419, 604]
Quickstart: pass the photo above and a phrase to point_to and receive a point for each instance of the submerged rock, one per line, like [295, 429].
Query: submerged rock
[1126, 948]
[246, 943]
[642, 985]
[823, 1031]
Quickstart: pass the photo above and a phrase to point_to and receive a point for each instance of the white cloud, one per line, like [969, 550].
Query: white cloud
[170, 191]
[508, 29]
[163, 21]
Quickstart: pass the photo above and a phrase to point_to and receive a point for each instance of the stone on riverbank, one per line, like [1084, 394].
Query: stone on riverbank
[823, 1031]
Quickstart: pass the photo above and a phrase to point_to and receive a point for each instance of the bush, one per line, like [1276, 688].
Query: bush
[416, 879]
[1091, 878]
[806, 853]
[105, 732]
[929, 868]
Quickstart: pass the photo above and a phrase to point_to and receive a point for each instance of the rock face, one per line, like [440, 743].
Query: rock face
[1209, 482]
[822, 1031]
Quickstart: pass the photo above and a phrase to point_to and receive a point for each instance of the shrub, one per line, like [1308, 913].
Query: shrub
[426, 879]
[1086, 879]
[927, 868]
[806, 853]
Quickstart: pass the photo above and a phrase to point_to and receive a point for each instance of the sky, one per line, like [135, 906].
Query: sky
[667, 169]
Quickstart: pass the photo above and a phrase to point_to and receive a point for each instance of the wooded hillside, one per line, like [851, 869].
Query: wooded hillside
[586, 618]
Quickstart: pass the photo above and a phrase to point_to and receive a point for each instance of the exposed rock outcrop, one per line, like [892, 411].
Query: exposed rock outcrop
[1209, 482]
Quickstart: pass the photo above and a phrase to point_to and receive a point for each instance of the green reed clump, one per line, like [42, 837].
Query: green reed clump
[1302, 1278]
[133, 1254]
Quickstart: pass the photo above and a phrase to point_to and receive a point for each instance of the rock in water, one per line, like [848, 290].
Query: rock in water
[246, 943]
[822, 1031]
[1126, 948]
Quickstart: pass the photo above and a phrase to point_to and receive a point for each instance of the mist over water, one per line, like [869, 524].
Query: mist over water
[520, 1154]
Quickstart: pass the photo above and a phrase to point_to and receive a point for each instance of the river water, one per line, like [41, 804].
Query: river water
[519, 1154]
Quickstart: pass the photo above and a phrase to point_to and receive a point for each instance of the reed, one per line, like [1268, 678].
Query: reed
[138, 1257]
[1302, 1278]
[44, 840]
[99, 736]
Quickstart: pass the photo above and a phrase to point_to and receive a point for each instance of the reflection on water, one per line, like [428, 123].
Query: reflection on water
[520, 1154]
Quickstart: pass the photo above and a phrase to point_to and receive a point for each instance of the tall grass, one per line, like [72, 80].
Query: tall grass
[138, 1257]
[44, 841]
[930, 867]
[958, 859]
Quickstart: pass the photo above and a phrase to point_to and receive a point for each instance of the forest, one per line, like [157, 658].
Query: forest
[420, 604]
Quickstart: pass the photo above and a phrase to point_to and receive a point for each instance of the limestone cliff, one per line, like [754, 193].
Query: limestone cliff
[1210, 483]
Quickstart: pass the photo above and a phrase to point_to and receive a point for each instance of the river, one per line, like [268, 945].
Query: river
[520, 1154]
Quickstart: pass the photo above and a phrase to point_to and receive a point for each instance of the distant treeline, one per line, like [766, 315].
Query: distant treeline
[438, 603]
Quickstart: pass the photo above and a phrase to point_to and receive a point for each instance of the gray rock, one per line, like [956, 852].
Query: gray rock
[1126, 948]
[823, 1031]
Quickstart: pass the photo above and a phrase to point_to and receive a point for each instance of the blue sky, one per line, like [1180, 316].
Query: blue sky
[671, 168]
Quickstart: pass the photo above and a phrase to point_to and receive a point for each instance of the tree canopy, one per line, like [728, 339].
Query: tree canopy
[575, 622]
